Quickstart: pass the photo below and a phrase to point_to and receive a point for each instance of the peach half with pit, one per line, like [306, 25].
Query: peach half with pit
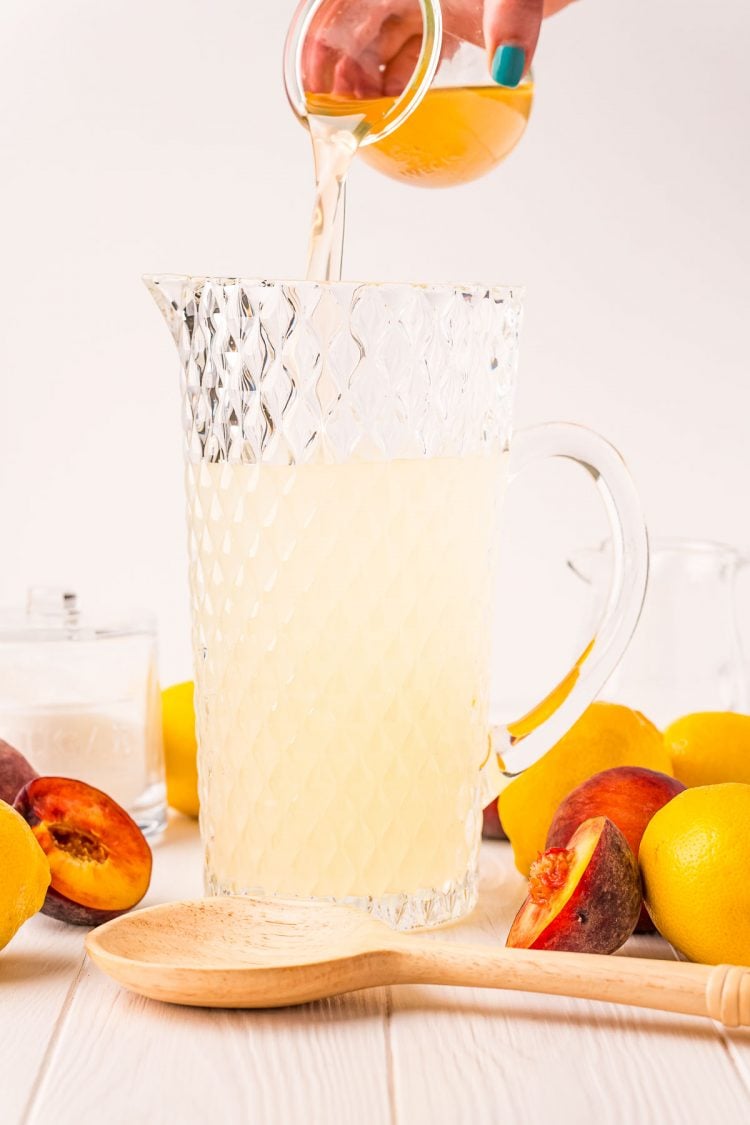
[628, 795]
[99, 860]
[583, 898]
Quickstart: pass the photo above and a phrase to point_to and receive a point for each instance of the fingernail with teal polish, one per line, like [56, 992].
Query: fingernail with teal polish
[507, 65]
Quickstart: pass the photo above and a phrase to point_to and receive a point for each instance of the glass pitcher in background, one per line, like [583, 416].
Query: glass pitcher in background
[686, 654]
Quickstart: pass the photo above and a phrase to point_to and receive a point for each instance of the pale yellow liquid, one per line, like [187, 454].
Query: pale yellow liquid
[342, 629]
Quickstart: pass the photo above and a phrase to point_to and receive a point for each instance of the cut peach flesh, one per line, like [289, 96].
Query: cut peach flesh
[97, 854]
[548, 899]
[549, 874]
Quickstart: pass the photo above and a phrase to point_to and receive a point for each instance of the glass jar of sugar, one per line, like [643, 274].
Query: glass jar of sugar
[79, 697]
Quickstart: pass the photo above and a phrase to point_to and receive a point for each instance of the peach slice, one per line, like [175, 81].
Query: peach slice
[584, 898]
[15, 772]
[99, 859]
[629, 796]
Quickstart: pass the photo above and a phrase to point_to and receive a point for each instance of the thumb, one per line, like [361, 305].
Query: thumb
[511, 29]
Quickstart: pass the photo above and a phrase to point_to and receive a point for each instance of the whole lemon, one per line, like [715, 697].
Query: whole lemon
[24, 874]
[710, 747]
[606, 735]
[180, 747]
[694, 858]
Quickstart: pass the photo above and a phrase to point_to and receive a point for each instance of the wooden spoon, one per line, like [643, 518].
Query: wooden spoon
[268, 953]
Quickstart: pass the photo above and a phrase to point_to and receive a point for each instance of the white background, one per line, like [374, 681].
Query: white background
[145, 137]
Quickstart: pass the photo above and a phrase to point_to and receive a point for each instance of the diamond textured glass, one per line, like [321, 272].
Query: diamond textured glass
[347, 447]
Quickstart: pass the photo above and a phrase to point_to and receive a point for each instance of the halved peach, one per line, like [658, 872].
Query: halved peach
[99, 859]
[584, 898]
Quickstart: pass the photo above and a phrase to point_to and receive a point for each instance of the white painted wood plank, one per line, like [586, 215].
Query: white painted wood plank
[124, 1059]
[37, 973]
[178, 863]
[483, 1057]
[738, 1047]
[40, 967]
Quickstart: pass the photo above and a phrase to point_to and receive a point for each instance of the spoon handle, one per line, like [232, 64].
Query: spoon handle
[721, 992]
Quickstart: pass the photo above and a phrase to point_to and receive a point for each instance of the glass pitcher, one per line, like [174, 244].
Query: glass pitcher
[347, 450]
[686, 654]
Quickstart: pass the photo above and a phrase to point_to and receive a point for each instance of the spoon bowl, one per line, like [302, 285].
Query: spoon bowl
[237, 952]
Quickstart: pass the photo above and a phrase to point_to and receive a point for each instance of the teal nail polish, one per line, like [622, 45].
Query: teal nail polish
[507, 65]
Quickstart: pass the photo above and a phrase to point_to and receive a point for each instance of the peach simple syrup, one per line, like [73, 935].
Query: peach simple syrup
[455, 134]
[344, 672]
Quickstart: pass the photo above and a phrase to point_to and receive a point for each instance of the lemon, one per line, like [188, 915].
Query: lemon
[694, 858]
[180, 747]
[710, 747]
[606, 735]
[24, 873]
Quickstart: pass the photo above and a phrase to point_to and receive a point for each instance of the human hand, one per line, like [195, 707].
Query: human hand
[360, 49]
[511, 31]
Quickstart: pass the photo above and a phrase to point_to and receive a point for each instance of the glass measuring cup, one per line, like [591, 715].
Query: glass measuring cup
[444, 124]
[339, 127]
[313, 85]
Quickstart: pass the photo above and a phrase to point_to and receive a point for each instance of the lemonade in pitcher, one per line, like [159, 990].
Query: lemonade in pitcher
[343, 710]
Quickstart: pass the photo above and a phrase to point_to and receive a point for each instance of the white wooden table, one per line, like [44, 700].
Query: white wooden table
[75, 1049]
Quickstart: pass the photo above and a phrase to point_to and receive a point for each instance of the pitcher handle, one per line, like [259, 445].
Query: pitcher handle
[519, 744]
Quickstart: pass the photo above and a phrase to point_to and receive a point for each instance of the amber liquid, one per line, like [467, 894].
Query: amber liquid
[456, 134]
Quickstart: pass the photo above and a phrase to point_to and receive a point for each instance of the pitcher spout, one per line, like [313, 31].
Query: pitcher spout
[169, 292]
